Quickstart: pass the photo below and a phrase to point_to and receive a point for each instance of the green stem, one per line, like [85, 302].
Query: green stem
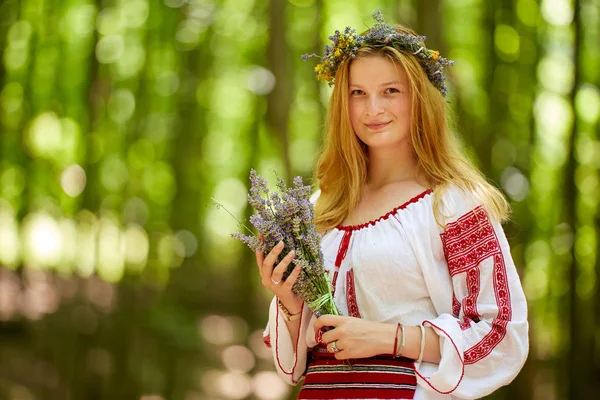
[240, 223]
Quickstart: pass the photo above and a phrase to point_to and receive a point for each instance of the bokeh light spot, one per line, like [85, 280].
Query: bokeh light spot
[238, 359]
[73, 180]
[109, 49]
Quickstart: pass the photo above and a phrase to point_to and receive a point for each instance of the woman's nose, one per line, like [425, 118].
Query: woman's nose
[374, 106]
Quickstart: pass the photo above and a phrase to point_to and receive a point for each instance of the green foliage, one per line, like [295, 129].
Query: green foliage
[119, 120]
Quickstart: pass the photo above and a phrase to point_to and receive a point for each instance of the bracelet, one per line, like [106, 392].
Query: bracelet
[402, 337]
[286, 313]
[396, 340]
[399, 351]
[422, 344]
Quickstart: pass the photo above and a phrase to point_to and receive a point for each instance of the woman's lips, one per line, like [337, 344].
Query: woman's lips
[376, 127]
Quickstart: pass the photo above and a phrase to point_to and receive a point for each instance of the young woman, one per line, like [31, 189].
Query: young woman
[432, 306]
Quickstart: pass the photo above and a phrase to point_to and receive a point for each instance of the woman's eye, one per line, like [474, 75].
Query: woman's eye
[357, 92]
[392, 90]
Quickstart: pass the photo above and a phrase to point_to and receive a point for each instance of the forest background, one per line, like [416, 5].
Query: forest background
[120, 119]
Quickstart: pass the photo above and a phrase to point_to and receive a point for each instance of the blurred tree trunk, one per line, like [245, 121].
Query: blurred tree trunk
[250, 299]
[595, 370]
[406, 14]
[578, 363]
[318, 49]
[524, 227]
[186, 287]
[253, 310]
[6, 11]
[430, 21]
[279, 100]
[591, 65]
[595, 6]
[96, 97]
[483, 142]
[190, 174]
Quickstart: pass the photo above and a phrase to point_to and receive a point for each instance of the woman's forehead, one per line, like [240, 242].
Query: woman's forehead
[375, 71]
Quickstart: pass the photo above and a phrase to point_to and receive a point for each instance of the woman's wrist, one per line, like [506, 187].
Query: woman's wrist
[387, 335]
[293, 306]
[412, 340]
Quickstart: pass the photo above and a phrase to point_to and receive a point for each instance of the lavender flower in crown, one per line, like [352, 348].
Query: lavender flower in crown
[345, 45]
[287, 215]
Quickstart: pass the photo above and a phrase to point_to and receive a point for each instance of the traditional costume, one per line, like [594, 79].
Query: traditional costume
[404, 267]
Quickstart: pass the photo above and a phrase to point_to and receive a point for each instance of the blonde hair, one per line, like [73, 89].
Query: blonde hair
[341, 168]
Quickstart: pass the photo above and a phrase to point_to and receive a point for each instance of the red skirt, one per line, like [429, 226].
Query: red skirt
[381, 377]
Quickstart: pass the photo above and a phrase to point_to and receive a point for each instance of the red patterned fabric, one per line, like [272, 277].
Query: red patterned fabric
[467, 242]
[341, 254]
[387, 215]
[498, 331]
[470, 302]
[319, 336]
[455, 306]
[381, 377]
[353, 310]
[267, 340]
[343, 250]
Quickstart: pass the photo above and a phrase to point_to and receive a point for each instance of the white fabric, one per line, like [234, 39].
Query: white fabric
[401, 274]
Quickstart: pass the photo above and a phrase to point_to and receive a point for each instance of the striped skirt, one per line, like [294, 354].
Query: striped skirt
[381, 377]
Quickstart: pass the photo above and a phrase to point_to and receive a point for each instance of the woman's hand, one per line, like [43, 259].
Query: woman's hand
[272, 277]
[356, 337]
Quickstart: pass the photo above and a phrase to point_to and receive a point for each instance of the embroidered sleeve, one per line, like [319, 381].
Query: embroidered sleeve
[484, 336]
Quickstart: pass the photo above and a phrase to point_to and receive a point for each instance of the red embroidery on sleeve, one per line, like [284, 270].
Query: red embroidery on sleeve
[498, 331]
[267, 340]
[467, 242]
[470, 302]
[455, 305]
[353, 310]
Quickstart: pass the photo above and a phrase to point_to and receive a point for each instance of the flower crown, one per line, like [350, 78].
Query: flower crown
[347, 43]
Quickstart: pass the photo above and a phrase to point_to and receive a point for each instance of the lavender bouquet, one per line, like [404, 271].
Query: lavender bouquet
[287, 216]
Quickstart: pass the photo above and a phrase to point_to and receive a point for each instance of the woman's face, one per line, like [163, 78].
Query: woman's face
[379, 102]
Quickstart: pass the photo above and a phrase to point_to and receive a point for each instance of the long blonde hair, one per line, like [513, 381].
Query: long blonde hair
[341, 169]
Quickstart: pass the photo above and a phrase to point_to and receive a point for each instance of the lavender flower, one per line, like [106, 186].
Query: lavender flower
[287, 215]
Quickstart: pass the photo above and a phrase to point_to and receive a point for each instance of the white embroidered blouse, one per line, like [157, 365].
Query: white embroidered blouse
[403, 267]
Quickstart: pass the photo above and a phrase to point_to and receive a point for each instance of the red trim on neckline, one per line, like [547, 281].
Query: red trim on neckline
[385, 216]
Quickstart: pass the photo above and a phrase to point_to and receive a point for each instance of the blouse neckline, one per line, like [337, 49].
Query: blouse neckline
[386, 215]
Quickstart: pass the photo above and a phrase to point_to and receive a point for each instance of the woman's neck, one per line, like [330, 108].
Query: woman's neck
[389, 165]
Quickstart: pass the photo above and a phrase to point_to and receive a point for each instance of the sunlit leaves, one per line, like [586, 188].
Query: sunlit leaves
[110, 48]
[17, 49]
[158, 182]
[121, 105]
[587, 104]
[73, 180]
[11, 97]
[507, 42]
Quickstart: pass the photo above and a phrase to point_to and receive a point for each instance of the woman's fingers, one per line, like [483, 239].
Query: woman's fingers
[260, 258]
[291, 279]
[267, 264]
[278, 272]
[330, 336]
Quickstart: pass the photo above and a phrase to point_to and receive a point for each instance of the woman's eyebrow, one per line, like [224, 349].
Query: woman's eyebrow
[383, 84]
[390, 83]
